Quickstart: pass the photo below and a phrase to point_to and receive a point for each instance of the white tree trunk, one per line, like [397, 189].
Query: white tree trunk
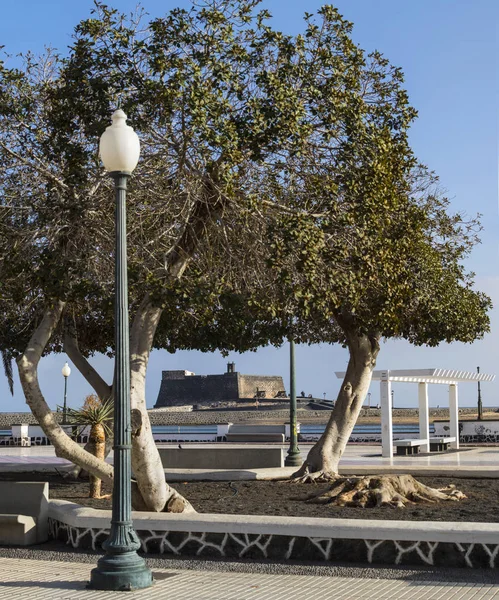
[324, 457]
[146, 462]
[28, 373]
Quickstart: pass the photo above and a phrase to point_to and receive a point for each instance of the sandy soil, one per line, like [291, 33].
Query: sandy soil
[285, 499]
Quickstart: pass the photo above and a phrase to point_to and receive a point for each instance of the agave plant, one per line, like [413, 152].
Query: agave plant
[96, 414]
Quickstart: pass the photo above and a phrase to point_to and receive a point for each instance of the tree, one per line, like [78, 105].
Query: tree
[277, 196]
[375, 254]
[204, 93]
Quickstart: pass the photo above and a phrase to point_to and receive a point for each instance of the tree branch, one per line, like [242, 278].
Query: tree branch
[41, 169]
[27, 364]
[102, 389]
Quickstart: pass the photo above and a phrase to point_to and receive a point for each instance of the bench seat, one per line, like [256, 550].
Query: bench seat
[440, 444]
[255, 437]
[17, 530]
[409, 446]
[23, 512]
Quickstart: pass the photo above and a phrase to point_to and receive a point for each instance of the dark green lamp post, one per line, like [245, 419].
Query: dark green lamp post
[293, 459]
[121, 568]
[66, 372]
[480, 406]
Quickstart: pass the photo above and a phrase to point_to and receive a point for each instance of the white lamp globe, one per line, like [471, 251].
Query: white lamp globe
[66, 371]
[119, 146]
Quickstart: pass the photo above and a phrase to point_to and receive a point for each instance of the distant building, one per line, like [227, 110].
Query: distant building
[184, 387]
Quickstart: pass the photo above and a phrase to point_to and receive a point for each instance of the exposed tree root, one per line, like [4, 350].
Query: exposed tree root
[305, 476]
[103, 496]
[178, 504]
[395, 491]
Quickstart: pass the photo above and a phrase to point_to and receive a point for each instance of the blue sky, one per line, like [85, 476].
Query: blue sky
[448, 50]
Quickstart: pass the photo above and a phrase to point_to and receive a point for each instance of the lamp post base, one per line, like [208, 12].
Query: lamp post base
[120, 572]
[293, 459]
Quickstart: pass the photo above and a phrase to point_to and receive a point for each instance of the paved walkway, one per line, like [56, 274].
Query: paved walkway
[51, 579]
[38, 579]
[357, 459]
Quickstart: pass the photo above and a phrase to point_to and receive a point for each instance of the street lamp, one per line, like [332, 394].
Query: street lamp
[121, 568]
[66, 372]
[480, 406]
[293, 459]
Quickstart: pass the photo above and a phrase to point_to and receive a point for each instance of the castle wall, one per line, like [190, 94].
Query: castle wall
[183, 387]
[197, 388]
[250, 384]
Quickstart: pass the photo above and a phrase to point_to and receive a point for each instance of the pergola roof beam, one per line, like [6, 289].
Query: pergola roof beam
[438, 376]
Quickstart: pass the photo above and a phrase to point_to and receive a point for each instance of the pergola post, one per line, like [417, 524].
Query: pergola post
[424, 416]
[386, 415]
[453, 415]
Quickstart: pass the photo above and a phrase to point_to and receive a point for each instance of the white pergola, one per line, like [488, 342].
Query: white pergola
[422, 377]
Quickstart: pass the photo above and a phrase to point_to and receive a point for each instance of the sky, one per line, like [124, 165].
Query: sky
[448, 50]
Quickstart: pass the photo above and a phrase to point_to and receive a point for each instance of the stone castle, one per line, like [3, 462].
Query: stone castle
[184, 387]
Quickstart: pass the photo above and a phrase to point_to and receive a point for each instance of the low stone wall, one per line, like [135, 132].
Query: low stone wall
[472, 431]
[472, 545]
[10, 418]
[221, 458]
[209, 417]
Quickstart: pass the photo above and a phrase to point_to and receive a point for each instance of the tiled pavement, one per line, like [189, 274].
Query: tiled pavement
[355, 455]
[37, 580]
[357, 460]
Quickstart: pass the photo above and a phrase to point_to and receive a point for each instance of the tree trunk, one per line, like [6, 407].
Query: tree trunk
[27, 364]
[77, 472]
[102, 389]
[146, 462]
[98, 439]
[64, 446]
[322, 460]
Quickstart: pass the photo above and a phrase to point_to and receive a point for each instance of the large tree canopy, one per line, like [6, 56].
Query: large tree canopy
[293, 147]
[277, 196]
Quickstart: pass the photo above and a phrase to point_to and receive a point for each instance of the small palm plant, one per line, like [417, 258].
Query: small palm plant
[96, 414]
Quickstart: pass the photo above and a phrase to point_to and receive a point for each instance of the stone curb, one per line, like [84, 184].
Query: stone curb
[175, 475]
[78, 516]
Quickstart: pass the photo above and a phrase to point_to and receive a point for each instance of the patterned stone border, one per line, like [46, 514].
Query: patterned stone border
[225, 536]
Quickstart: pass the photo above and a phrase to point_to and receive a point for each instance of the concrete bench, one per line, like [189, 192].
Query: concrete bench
[407, 447]
[17, 530]
[23, 512]
[440, 444]
[221, 458]
[255, 437]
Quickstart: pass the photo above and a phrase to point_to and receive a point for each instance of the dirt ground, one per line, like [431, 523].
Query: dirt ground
[285, 499]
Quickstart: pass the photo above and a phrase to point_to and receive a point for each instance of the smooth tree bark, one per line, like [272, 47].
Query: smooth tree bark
[151, 492]
[64, 446]
[27, 364]
[146, 461]
[323, 459]
[321, 465]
